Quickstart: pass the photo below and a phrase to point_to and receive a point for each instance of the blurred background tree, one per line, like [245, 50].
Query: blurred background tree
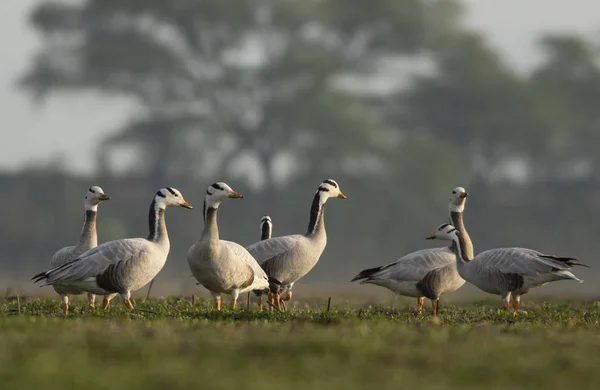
[397, 100]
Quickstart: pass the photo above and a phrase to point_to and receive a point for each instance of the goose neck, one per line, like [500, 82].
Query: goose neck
[458, 222]
[458, 247]
[265, 231]
[211, 229]
[156, 223]
[316, 224]
[88, 237]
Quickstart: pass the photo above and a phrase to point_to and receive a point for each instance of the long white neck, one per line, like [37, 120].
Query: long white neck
[456, 208]
[91, 207]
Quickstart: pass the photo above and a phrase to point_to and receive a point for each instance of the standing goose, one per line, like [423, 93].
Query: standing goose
[88, 239]
[506, 271]
[289, 258]
[223, 267]
[428, 272]
[121, 266]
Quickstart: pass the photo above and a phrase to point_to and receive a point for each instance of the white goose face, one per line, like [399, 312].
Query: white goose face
[330, 189]
[94, 196]
[169, 197]
[458, 199]
[219, 192]
[445, 232]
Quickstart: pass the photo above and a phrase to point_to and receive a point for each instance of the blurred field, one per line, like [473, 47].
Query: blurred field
[170, 344]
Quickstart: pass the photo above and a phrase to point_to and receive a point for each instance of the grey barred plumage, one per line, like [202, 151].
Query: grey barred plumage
[88, 239]
[223, 267]
[289, 258]
[121, 266]
[427, 272]
[507, 271]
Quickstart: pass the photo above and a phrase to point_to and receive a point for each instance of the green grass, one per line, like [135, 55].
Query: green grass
[168, 344]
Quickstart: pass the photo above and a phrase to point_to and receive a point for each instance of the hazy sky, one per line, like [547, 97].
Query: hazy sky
[67, 126]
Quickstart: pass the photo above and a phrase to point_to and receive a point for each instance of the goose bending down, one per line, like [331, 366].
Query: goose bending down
[121, 266]
[88, 239]
[288, 258]
[428, 272]
[506, 271]
[223, 267]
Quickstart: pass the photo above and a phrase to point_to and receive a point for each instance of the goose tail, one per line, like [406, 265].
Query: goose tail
[41, 276]
[569, 261]
[366, 273]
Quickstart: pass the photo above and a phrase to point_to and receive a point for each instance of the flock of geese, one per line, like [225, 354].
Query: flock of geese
[272, 265]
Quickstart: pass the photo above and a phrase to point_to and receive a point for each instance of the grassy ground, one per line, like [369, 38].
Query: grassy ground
[168, 344]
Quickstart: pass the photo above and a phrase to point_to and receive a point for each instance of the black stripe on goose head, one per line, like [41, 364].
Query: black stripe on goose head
[159, 193]
[331, 182]
[92, 190]
[171, 191]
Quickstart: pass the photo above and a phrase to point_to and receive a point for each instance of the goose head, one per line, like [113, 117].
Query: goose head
[93, 197]
[329, 189]
[457, 200]
[219, 192]
[444, 232]
[170, 197]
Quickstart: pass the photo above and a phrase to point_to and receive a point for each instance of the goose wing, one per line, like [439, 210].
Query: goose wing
[107, 257]
[62, 256]
[272, 247]
[522, 261]
[412, 267]
[258, 279]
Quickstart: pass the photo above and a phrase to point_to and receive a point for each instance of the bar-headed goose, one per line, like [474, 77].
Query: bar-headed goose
[428, 272]
[506, 271]
[88, 239]
[223, 267]
[288, 258]
[121, 266]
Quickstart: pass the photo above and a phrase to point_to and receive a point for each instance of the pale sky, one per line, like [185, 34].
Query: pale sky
[68, 126]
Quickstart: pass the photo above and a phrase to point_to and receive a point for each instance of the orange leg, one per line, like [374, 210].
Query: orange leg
[278, 301]
[434, 306]
[420, 302]
[129, 304]
[91, 300]
[233, 303]
[517, 303]
[506, 300]
[105, 304]
[271, 298]
[218, 303]
[260, 303]
[66, 308]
